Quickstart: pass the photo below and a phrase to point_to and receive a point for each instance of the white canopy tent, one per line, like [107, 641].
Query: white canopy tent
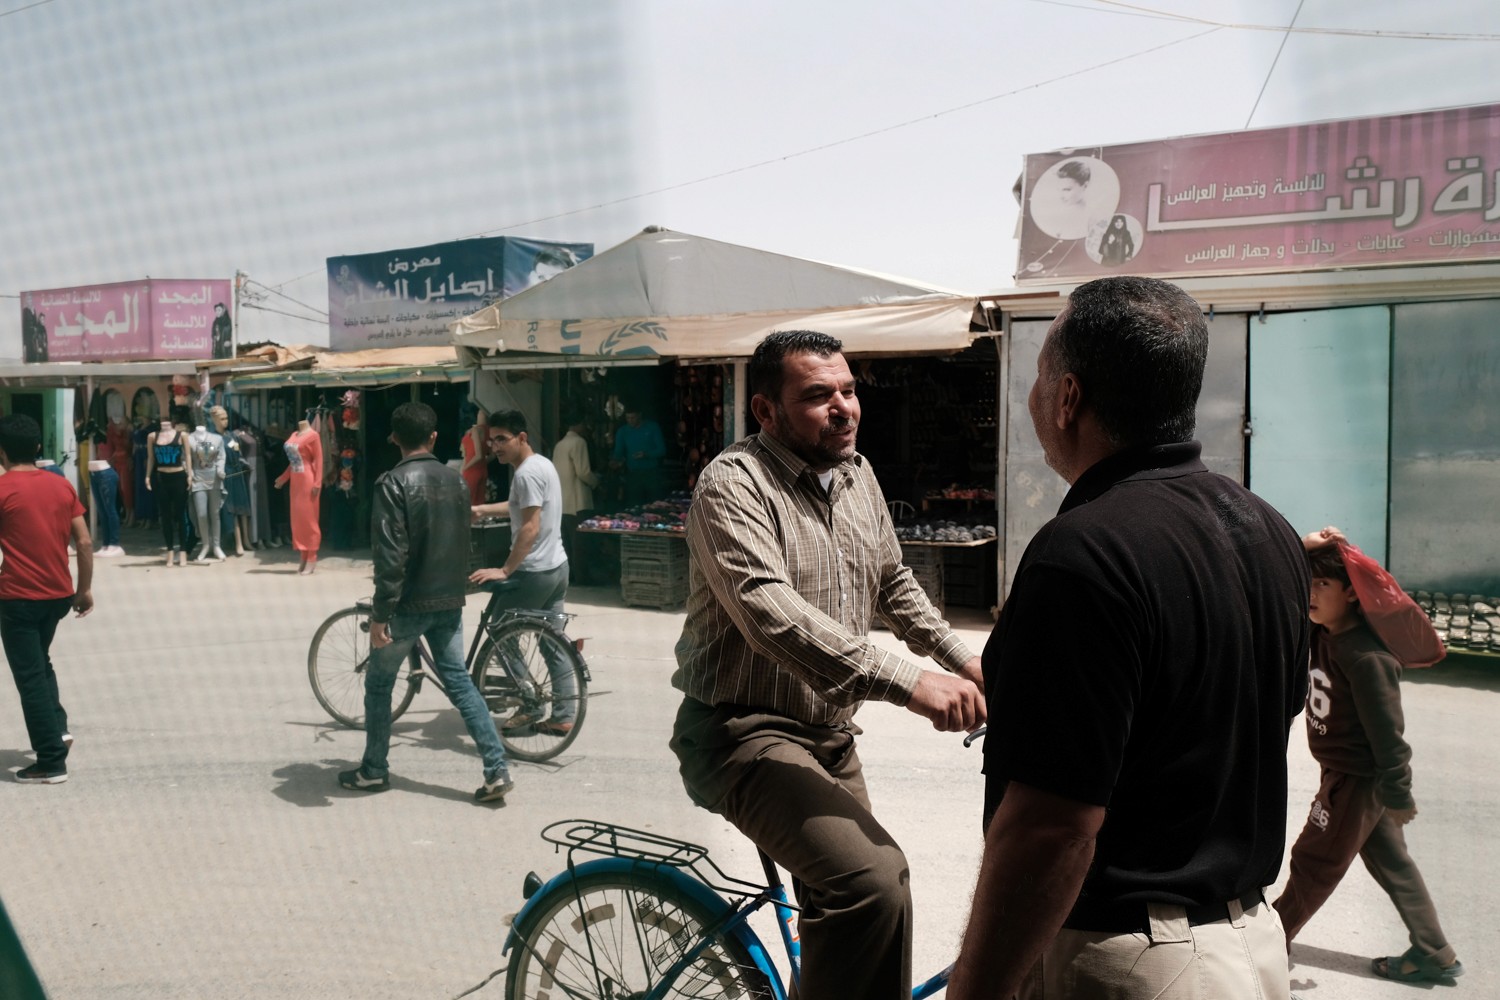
[661, 295]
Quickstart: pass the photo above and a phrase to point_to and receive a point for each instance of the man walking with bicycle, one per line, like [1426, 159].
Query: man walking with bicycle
[420, 531]
[535, 574]
[793, 555]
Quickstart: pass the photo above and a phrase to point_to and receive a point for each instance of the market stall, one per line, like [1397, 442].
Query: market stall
[673, 317]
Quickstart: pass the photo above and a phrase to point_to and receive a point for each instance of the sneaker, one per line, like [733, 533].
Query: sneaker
[494, 791]
[67, 739]
[36, 774]
[356, 780]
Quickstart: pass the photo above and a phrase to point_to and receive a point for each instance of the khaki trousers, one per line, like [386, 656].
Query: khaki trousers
[1241, 958]
[797, 791]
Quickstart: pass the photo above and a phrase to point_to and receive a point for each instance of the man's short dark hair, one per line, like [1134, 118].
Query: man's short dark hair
[20, 438]
[1327, 563]
[412, 424]
[1138, 346]
[767, 365]
[513, 421]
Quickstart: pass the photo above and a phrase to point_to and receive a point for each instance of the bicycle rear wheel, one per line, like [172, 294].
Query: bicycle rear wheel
[609, 934]
[536, 685]
[336, 664]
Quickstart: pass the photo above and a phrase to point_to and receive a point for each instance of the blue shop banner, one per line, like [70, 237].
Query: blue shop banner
[407, 297]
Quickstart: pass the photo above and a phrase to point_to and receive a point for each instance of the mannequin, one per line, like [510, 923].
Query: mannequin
[168, 465]
[105, 483]
[207, 450]
[304, 450]
[235, 515]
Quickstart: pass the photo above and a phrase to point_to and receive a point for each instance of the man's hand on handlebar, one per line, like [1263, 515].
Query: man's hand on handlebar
[952, 703]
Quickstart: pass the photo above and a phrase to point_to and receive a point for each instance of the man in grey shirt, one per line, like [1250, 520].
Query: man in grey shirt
[535, 574]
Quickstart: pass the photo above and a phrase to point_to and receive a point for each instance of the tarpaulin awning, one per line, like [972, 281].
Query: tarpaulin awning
[662, 294]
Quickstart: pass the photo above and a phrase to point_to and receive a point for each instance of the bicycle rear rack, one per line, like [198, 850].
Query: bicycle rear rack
[586, 836]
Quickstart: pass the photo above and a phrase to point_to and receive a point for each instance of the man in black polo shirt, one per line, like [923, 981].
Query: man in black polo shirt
[1141, 682]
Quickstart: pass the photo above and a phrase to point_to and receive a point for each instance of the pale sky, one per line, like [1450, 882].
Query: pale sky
[179, 139]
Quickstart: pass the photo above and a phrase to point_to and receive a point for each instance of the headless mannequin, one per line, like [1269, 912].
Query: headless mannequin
[309, 557]
[207, 481]
[169, 513]
[240, 522]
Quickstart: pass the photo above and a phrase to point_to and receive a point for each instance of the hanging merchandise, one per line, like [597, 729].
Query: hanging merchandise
[350, 416]
[348, 457]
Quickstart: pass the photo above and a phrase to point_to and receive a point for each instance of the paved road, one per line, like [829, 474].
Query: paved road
[202, 848]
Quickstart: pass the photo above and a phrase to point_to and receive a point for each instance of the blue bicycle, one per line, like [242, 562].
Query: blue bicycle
[645, 917]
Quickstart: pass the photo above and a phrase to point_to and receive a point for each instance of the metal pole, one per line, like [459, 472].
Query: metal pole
[234, 334]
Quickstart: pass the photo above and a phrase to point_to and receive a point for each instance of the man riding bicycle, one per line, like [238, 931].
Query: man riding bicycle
[793, 555]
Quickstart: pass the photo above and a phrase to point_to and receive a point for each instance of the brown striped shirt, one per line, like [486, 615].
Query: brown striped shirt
[785, 579]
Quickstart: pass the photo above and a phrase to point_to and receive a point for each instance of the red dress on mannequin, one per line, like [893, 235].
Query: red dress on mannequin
[475, 475]
[304, 450]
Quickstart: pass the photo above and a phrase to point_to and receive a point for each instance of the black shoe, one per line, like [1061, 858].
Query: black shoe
[36, 774]
[494, 791]
[356, 780]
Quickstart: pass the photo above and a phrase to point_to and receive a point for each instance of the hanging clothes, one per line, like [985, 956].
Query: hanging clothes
[145, 500]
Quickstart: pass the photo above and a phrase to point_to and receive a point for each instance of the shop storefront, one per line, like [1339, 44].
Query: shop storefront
[665, 321]
[1353, 295]
[348, 398]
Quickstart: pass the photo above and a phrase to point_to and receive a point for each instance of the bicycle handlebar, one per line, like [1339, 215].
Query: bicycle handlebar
[969, 739]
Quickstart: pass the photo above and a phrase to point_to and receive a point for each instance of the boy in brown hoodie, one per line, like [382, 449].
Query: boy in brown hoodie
[1354, 730]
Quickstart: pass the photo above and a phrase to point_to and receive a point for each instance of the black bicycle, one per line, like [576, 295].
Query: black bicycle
[531, 674]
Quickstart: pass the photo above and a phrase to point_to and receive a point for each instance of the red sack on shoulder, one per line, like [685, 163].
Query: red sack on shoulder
[1392, 615]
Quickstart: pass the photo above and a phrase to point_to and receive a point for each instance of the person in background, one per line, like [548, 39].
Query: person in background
[1355, 730]
[638, 451]
[39, 516]
[576, 475]
[1142, 681]
[535, 573]
[476, 455]
[420, 532]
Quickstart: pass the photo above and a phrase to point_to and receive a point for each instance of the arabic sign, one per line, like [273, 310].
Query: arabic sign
[1361, 193]
[401, 298]
[163, 320]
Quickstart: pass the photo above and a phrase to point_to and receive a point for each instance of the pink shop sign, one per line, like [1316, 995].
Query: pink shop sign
[162, 319]
[1368, 192]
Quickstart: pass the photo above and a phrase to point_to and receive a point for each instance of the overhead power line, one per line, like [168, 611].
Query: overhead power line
[823, 146]
[1428, 36]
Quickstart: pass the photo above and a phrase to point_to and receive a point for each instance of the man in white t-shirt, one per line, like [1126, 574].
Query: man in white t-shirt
[535, 574]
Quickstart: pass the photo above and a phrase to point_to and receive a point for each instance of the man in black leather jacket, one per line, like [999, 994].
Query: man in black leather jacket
[420, 532]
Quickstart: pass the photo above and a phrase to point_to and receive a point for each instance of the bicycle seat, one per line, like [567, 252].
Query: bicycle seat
[558, 619]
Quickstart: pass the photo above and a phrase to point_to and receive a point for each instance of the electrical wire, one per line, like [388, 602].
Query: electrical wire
[1279, 49]
[1425, 36]
[823, 146]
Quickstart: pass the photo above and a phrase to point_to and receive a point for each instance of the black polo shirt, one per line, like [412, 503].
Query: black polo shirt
[1150, 658]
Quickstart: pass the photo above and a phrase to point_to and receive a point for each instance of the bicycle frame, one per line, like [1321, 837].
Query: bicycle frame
[675, 861]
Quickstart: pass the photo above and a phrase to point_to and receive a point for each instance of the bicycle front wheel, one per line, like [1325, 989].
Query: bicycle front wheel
[337, 662]
[609, 934]
[535, 683]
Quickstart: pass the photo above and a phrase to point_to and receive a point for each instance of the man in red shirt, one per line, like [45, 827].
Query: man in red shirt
[38, 515]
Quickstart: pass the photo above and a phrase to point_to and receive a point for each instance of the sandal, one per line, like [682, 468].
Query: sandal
[1424, 969]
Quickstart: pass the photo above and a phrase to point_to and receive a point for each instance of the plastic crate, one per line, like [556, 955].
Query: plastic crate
[654, 595]
[652, 571]
[920, 556]
[663, 548]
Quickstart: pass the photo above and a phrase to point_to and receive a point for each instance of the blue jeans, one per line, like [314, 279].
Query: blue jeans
[106, 488]
[444, 632]
[26, 631]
